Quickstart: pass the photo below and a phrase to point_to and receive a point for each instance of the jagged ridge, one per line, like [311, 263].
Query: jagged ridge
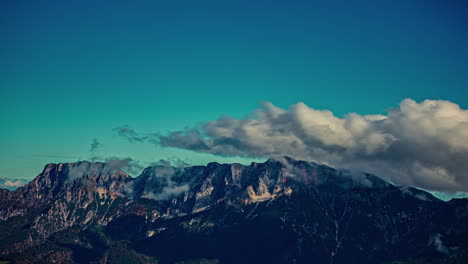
[313, 202]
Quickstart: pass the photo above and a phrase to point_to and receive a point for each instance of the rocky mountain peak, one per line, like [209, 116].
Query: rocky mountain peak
[281, 200]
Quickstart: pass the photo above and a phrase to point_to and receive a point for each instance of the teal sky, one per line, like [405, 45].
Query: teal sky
[71, 71]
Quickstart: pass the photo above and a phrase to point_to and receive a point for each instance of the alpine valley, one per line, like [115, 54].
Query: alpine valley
[280, 211]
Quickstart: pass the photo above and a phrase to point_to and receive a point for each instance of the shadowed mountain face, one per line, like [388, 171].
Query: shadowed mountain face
[280, 211]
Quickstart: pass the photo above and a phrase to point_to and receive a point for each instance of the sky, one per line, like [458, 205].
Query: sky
[74, 73]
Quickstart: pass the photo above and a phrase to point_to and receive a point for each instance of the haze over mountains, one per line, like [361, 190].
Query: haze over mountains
[280, 211]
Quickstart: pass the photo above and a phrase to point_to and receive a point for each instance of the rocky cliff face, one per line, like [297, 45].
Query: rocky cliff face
[62, 196]
[280, 211]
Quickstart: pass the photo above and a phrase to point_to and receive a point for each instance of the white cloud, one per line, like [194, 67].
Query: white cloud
[11, 184]
[421, 144]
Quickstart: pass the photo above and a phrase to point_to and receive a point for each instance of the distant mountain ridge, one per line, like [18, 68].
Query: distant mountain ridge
[280, 211]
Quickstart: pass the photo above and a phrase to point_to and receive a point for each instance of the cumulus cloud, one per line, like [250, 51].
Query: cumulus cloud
[11, 184]
[421, 144]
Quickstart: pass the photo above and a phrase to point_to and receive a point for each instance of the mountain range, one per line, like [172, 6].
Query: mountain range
[280, 211]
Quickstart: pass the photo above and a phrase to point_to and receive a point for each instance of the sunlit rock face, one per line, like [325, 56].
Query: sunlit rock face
[280, 211]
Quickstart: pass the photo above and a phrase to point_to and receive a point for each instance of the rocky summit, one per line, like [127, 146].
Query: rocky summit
[280, 211]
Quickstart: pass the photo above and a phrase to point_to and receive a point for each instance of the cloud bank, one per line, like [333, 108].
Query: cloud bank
[419, 144]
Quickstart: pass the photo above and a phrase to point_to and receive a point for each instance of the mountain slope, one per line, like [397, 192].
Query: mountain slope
[280, 211]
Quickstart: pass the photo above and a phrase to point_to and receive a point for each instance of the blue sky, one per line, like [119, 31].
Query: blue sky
[71, 71]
